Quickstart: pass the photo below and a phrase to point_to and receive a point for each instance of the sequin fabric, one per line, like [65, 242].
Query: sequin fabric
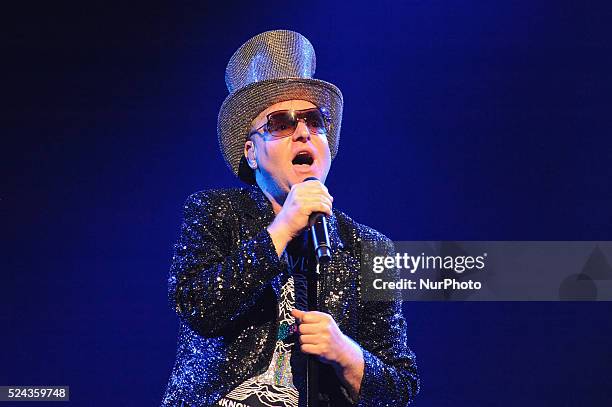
[225, 285]
[285, 379]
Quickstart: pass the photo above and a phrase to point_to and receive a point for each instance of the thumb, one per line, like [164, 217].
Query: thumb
[298, 313]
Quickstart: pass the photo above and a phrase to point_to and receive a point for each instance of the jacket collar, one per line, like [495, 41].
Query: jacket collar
[259, 207]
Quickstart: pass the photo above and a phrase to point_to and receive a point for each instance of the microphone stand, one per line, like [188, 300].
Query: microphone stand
[312, 368]
[319, 239]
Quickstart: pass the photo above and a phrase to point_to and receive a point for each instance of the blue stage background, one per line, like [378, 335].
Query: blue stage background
[463, 120]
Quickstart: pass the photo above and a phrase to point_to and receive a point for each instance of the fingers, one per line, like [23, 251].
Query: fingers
[320, 350]
[316, 185]
[319, 335]
[310, 317]
[296, 313]
[305, 317]
[311, 188]
[310, 349]
[313, 339]
[314, 206]
[303, 200]
[315, 199]
[317, 188]
[309, 329]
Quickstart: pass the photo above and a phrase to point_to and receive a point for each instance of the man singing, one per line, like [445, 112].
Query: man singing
[243, 262]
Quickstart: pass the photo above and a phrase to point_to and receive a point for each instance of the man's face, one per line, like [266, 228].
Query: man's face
[283, 162]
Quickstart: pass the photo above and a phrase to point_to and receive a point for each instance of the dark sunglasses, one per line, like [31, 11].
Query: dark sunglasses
[283, 123]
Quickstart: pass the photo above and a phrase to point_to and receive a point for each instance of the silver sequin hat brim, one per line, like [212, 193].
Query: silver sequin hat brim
[241, 107]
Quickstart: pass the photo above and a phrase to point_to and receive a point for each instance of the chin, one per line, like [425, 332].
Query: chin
[302, 173]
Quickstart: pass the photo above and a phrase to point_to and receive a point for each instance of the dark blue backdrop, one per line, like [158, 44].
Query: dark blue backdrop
[463, 120]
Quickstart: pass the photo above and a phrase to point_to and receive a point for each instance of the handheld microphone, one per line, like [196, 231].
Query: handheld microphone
[320, 235]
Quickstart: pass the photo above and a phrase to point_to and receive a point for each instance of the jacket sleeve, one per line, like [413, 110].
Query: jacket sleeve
[214, 280]
[390, 375]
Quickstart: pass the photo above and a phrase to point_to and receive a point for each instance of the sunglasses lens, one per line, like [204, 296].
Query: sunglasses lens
[314, 120]
[284, 122]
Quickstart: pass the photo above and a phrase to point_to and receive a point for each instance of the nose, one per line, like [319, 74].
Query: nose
[301, 132]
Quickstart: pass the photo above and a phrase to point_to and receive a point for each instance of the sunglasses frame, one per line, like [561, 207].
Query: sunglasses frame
[323, 112]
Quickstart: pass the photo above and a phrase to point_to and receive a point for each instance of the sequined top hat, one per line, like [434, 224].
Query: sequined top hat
[271, 67]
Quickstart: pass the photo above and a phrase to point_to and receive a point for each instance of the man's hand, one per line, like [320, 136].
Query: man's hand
[303, 199]
[320, 336]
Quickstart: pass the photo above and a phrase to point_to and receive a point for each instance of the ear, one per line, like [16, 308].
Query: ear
[250, 154]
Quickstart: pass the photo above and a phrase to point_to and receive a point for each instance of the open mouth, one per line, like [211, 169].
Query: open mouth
[303, 158]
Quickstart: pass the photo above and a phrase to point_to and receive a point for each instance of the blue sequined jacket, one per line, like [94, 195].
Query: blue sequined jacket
[224, 285]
